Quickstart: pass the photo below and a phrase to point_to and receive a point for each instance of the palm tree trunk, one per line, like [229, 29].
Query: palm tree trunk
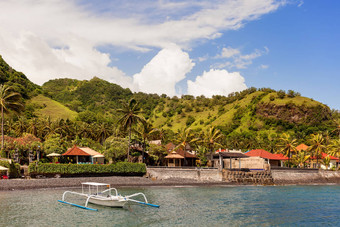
[143, 151]
[128, 154]
[2, 128]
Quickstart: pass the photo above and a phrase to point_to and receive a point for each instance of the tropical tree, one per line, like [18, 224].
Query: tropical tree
[114, 148]
[183, 138]
[131, 116]
[212, 140]
[145, 131]
[20, 126]
[9, 101]
[286, 145]
[300, 158]
[317, 146]
[33, 127]
[102, 132]
[337, 127]
[326, 161]
[201, 154]
[334, 148]
[157, 153]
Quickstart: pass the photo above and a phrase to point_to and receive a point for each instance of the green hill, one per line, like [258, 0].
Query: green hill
[251, 112]
[254, 111]
[46, 107]
[17, 80]
[95, 94]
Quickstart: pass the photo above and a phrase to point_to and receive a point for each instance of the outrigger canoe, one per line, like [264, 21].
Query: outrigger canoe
[105, 197]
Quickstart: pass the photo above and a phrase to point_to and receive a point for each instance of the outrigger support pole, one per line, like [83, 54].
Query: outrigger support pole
[76, 205]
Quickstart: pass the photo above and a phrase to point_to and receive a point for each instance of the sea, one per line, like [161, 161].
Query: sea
[314, 205]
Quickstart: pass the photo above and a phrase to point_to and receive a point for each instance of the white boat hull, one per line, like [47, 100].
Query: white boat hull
[108, 201]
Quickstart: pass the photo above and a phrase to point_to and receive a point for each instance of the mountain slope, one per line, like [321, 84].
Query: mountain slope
[17, 80]
[254, 111]
[46, 107]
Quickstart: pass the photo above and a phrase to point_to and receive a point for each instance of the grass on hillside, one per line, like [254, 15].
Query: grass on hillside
[298, 100]
[52, 108]
[209, 116]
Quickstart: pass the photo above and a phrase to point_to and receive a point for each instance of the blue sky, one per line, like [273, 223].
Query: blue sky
[179, 47]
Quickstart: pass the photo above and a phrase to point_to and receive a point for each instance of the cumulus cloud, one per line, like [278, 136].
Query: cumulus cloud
[40, 62]
[162, 73]
[216, 82]
[60, 38]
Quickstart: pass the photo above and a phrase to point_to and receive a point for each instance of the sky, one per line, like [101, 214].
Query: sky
[195, 47]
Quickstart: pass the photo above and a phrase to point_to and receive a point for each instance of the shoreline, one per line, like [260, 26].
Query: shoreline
[133, 182]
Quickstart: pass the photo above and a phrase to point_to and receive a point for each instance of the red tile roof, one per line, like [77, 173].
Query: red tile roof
[221, 150]
[170, 147]
[76, 151]
[302, 147]
[324, 155]
[265, 154]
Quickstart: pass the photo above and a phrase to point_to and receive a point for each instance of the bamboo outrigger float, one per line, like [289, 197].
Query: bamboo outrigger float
[104, 198]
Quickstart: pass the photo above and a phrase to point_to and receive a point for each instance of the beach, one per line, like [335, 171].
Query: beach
[115, 181]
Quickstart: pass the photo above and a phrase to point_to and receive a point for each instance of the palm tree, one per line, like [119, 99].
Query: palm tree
[286, 145]
[20, 126]
[184, 138]
[102, 132]
[326, 161]
[318, 146]
[9, 101]
[130, 111]
[334, 148]
[301, 158]
[337, 127]
[145, 131]
[212, 139]
[33, 127]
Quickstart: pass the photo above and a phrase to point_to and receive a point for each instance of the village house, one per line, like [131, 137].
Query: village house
[83, 155]
[179, 156]
[276, 160]
[235, 159]
[314, 162]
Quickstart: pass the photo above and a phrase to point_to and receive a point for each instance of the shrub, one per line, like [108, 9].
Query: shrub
[14, 168]
[190, 120]
[281, 94]
[120, 168]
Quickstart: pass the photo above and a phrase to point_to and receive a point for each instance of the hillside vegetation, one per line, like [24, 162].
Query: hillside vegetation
[46, 107]
[63, 112]
[253, 110]
[17, 80]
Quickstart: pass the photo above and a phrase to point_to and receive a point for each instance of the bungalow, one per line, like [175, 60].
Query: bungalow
[272, 159]
[180, 156]
[84, 155]
[314, 162]
[235, 159]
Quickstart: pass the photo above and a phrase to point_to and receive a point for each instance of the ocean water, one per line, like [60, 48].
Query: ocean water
[182, 206]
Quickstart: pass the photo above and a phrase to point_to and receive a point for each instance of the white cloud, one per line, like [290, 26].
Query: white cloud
[264, 66]
[59, 38]
[237, 59]
[216, 82]
[40, 62]
[228, 52]
[162, 73]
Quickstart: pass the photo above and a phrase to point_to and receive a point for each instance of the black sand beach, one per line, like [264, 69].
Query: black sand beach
[23, 184]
